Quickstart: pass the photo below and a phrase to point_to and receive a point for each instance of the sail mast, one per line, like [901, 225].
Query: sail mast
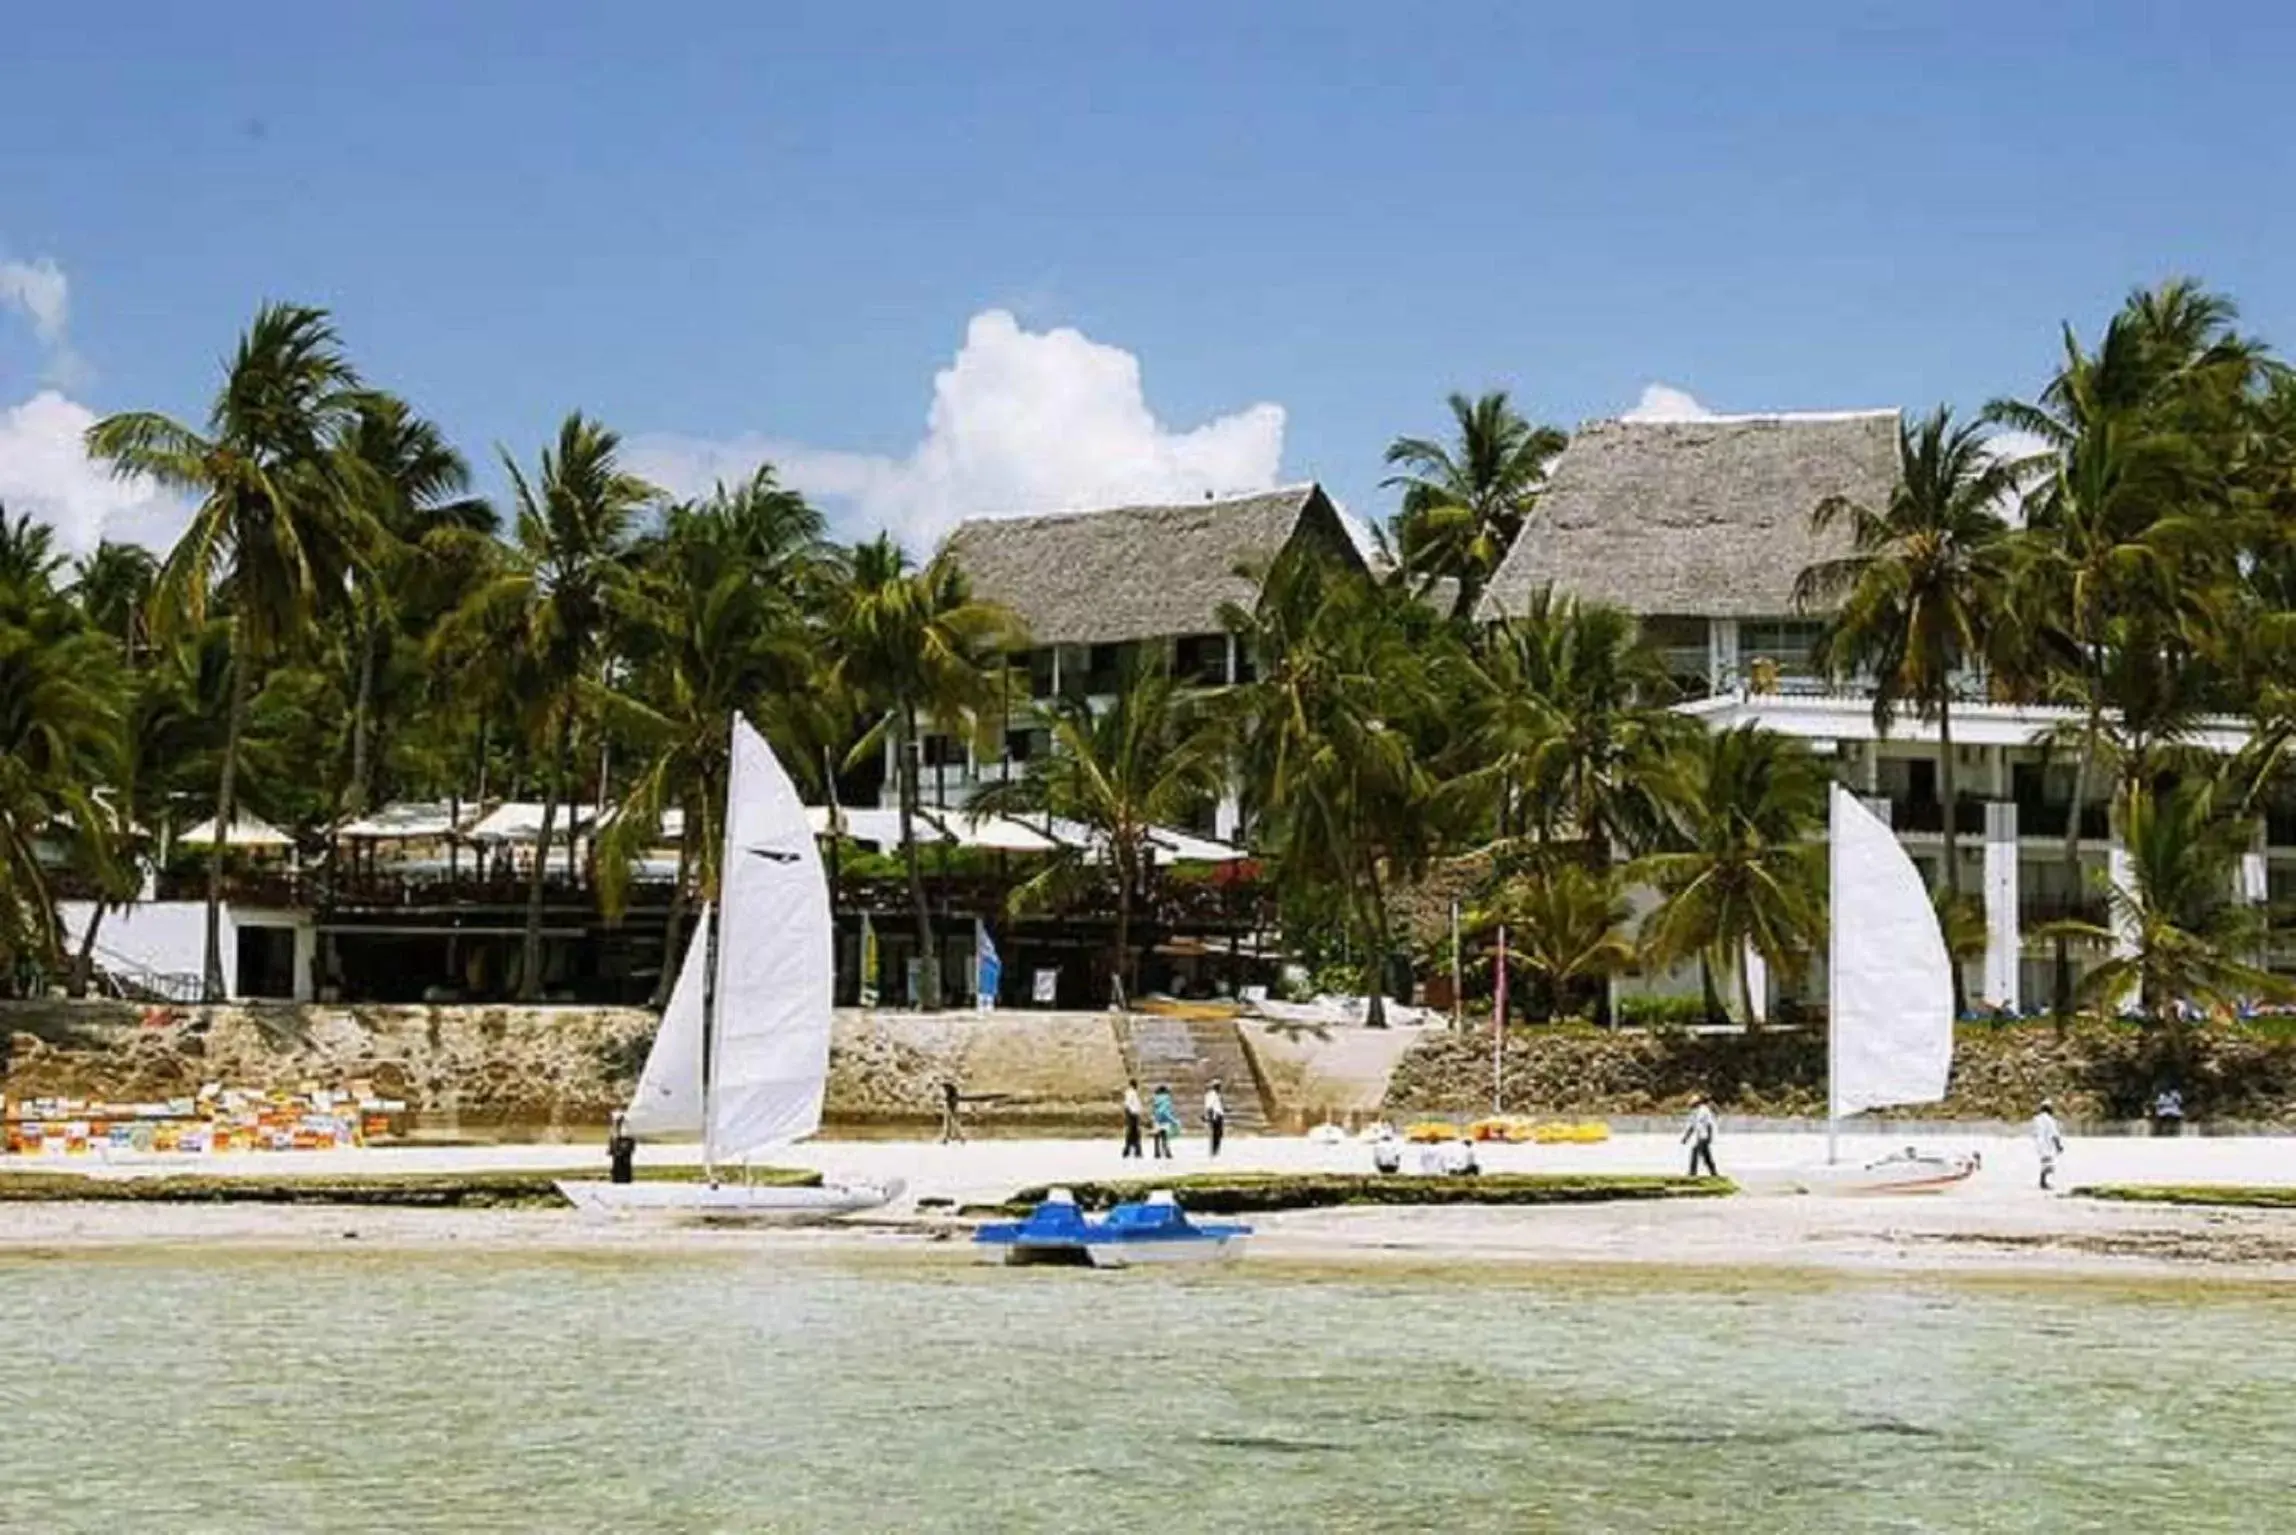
[710, 960]
[1833, 963]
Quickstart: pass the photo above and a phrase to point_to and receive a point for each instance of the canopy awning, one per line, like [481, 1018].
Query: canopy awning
[521, 821]
[414, 821]
[247, 831]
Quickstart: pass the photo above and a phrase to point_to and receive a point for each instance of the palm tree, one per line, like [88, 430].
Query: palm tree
[278, 530]
[1568, 729]
[1567, 925]
[911, 644]
[722, 622]
[113, 586]
[59, 719]
[2119, 575]
[1746, 872]
[1147, 758]
[539, 623]
[413, 484]
[1464, 505]
[1915, 599]
[1326, 743]
[29, 558]
[2177, 931]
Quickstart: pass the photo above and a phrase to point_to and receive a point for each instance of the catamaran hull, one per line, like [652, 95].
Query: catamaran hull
[748, 1204]
[1922, 1176]
[1111, 1255]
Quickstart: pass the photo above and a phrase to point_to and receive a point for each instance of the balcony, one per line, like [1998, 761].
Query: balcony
[2047, 819]
[1928, 815]
[2034, 910]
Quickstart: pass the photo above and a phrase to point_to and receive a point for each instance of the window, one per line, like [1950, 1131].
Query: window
[1040, 673]
[1788, 642]
[1201, 659]
[942, 751]
[1027, 745]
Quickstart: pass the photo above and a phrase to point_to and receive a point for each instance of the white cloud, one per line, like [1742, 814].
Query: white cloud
[40, 292]
[1664, 402]
[45, 470]
[1021, 421]
[38, 289]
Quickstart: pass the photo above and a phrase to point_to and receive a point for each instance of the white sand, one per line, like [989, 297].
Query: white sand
[1997, 1222]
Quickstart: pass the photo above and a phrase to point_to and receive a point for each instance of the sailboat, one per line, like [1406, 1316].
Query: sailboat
[1889, 994]
[742, 1055]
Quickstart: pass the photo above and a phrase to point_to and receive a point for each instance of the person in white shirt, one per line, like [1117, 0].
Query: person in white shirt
[1215, 1116]
[2048, 1141]
[1132, 1116]
[1699, 1137]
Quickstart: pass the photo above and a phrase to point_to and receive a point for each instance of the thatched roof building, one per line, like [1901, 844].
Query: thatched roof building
[1706, 517]
[1139, 572]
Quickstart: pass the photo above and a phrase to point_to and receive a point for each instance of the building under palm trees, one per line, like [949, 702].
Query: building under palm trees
[1702, 529]
[1095, 588]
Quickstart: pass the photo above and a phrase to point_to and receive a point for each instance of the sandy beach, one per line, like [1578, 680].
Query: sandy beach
[1997, 1223]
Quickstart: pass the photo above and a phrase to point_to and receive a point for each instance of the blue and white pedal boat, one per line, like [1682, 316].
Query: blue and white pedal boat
[1155, 1230]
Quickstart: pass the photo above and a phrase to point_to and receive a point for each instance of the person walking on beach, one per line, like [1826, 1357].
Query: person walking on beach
[950, 1129]
[1700, 1138]
[1166, 1115]
[1131, 1119]
[1215, 1116]
[2048, 1141]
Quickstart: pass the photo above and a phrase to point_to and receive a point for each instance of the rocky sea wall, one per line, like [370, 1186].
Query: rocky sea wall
[2094, 1071]
[544, 1069]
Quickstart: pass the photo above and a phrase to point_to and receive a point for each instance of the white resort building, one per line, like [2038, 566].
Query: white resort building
[1701, 529]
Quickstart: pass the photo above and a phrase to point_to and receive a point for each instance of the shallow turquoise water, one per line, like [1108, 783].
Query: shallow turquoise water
[752, 1391]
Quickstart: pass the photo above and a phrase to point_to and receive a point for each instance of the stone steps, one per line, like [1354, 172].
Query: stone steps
[1188, 1055]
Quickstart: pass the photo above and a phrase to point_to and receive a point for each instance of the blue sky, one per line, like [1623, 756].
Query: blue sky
[734, 230]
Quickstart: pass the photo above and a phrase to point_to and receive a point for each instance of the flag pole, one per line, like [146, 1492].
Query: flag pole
[1499, 1027]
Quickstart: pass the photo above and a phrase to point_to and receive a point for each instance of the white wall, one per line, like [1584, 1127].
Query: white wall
[170, 938]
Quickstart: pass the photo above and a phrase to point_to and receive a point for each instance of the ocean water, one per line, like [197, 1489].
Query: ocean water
[191, 1389]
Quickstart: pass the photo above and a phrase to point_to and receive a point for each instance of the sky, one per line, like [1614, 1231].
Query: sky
[938, 261]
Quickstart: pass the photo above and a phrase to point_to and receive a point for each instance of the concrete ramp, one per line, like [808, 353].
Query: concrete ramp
[1188, 1055]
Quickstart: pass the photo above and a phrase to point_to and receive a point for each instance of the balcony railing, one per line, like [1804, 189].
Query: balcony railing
[2033, 910]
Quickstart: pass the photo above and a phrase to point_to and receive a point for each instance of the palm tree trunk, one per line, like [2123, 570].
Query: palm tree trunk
[211, 985]
[1746, 991]
[84, 962]
[1948, 784]
[1707, 991]
[928, 962]
[1375, 1014]
[530, 952]
[1123, 970]
[362, 707]
[2061, 1005]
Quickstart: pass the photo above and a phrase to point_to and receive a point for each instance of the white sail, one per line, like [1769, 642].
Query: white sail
[669, 1096]
[769, 1056]
[1892, 981]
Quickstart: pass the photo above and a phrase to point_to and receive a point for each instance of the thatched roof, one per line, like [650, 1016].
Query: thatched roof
[1706, 518]
[1138, 572]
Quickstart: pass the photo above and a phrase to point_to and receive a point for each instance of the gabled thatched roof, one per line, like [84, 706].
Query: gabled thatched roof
[1704, 518]
[1138, 572]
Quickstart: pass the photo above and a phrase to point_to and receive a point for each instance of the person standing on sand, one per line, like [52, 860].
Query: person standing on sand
[950, 1129]
[621, 1151]
[1131, 1119]
[1699, 1137]
[2168, 1111]
[2048, 1141]
[1215, 1116]
[1166, 1115]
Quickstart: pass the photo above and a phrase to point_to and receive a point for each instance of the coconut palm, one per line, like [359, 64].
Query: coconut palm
[59, 717]
[414, 486]
[113, 587]
[1568, 926]
[1326, 742]
[2177, 931]
[29, 558]
[1465, 504]
[1914, 601]
[536, 628]
[1568, 729]
[278, 529]
[1746, 871]
[1146, 757]
[721, 622]
[2120, 574]
[910, 644]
